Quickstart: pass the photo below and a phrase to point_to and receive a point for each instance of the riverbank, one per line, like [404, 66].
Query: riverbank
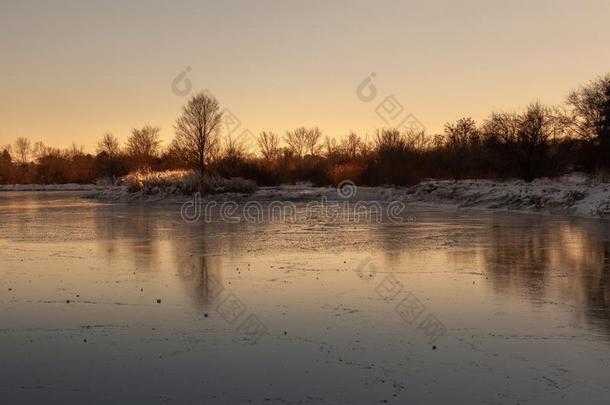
[575, 194]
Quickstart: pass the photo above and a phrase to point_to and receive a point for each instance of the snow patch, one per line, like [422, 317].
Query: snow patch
[575, 194]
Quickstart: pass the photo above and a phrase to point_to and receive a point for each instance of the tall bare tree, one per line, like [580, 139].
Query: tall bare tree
[39, 150]
[312, 141]
[590, 108]
[330, 147]
[108, 160]
[143, 145]
[302, 141]
[389, 139]
[417, 140]
[352, 145]
[296, 141]
[524, 137]
[109, 144]
[23, 148]
[269, 145]
[233, 148]
[460, 137]
[197, 130]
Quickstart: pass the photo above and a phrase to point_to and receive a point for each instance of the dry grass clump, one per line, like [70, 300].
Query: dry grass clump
[183, 182]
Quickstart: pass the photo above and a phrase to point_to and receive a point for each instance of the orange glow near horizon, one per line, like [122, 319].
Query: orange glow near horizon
[76, 70]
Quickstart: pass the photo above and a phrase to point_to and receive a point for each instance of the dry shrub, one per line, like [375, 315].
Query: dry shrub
[183, 182]
[168, 181]
[345, 171]
[214, 184]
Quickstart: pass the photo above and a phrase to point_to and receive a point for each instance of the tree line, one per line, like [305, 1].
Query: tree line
[538, 141]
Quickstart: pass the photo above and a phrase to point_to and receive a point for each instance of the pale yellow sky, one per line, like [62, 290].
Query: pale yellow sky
[73, 70]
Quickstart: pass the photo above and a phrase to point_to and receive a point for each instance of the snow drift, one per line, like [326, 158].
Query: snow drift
[575, 194]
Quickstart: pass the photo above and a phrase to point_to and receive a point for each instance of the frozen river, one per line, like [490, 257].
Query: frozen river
[116, 303]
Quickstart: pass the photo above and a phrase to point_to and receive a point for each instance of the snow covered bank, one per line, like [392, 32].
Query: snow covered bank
[572, 195]
[172, 182]
[576, 195]
[169, 185]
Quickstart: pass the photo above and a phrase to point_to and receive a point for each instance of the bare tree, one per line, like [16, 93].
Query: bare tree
[302, 141]
[297, 141]
[39, 150]
[108, 144]
[233, 148]
[269, 145]
[590, 108]
[368, 145]
[352, 145]
[8, 147]
[197, 130]
[502, 128]
[604, 133]
[463, 132]
[143, 145]
[108, 159]
[6, 156]
[459, 139]
[22, 149]
[75, 150]
[417, 140]
[524, 137]
[330, 147]
[389, 139]
[312, 139]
